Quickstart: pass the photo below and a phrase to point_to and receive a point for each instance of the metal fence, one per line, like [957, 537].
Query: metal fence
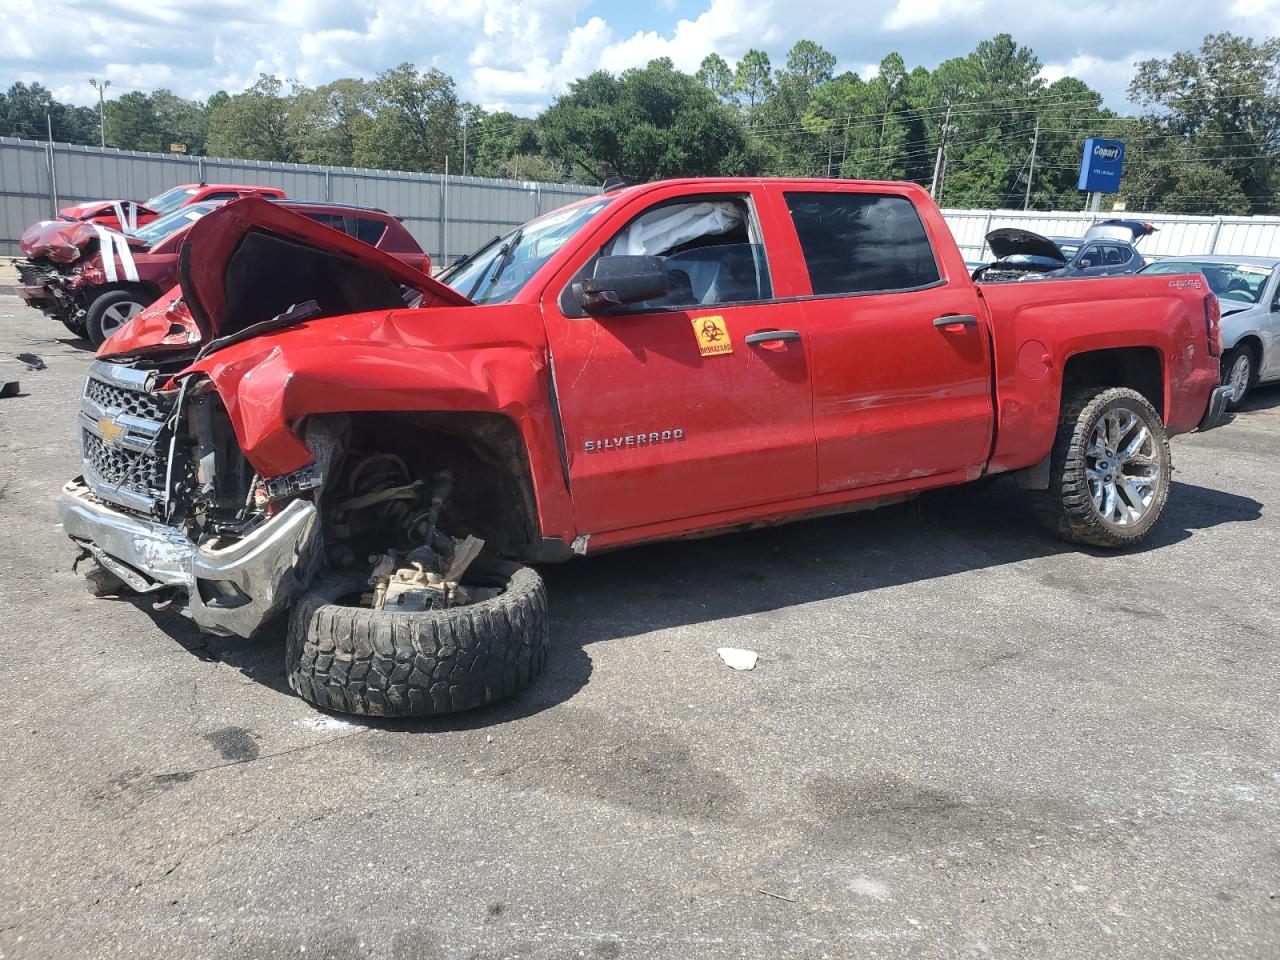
[449, 216]
[1175, 235]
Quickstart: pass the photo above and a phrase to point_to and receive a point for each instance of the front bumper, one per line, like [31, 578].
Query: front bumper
[1217, 414]
[230, 590]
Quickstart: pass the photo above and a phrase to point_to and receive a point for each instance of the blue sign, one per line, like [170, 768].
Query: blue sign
[1100, 165]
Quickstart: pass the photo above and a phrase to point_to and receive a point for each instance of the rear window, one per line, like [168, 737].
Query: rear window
[369, 231]
[862, 242]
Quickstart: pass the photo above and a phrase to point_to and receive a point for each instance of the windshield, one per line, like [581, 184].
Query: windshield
[501, 268]
[1243, 282]
[183, 217]
[171, 200]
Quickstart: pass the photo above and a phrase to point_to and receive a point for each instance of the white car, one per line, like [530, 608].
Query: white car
[1248, 290]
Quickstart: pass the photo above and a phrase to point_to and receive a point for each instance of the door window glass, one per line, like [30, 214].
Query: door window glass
[712, 250]
[1112, 256]
[862, 242]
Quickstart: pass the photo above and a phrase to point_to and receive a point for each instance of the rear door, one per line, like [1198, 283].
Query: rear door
[900, 352]
[696, 403]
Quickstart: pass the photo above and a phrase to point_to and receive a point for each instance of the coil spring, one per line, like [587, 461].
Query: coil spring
[405, 509]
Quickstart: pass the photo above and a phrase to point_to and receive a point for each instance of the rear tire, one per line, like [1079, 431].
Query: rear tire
[1240, 373]
[111, 311]
[386, 663]
[1109, 470]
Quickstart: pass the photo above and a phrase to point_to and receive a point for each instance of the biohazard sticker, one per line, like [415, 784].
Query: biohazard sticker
[713, 336]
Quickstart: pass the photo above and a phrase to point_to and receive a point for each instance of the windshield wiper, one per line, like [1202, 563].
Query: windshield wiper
[508, 254]
[459, 264]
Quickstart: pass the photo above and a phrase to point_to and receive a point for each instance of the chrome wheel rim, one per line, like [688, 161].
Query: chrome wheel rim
[118, 314]
[1238, 378]
[1121, 467]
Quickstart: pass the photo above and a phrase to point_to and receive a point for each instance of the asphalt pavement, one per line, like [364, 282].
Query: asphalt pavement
[961, 739]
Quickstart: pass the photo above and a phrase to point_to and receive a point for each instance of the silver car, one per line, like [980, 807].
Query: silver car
[1248, 290]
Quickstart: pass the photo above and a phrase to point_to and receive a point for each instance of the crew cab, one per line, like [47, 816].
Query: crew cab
[308, 426]
[94, 279]
[128, 215]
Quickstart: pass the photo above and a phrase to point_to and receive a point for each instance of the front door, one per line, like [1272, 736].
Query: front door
[693, 403]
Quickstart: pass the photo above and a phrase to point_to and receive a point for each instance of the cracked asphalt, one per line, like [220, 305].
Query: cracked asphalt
[962, 739]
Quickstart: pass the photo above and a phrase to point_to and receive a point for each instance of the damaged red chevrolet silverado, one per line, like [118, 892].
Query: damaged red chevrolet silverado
[314, 427]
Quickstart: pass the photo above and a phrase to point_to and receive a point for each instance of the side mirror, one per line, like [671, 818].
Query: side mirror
[1085, 263]
[619, 280]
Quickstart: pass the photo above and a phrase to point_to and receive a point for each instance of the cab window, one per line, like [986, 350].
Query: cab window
[862, 242]
[711, 247]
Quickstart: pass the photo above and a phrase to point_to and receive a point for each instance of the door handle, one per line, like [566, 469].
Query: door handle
[955, 320]
[767, 336]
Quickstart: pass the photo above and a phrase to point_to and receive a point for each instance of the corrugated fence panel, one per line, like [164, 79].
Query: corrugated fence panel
[476, 208]
[1175, 235]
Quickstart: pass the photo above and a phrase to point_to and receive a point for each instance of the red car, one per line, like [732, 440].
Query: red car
[94, 279]
[128, 215]
[667, 360]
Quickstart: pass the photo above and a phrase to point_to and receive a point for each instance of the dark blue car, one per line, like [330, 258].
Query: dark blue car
[1106, 249]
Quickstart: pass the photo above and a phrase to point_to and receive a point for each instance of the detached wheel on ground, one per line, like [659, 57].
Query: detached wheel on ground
[382, 663]
[1109, 471]
[1239, 372]
[111, 311]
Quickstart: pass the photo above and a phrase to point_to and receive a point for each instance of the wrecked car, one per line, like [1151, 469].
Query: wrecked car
[129, 215]
[1107, 249]
[314, 429]
[94, 280]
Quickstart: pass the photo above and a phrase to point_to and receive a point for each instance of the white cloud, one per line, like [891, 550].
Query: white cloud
[919, 13]
[520, 54]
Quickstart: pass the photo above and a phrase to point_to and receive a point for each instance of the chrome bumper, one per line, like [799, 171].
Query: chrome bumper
[1217, 415]
[230, 590]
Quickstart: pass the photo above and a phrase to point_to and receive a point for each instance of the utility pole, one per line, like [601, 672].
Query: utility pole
[464, 146]
[1035, 140]
[102, 106]
[939, 163]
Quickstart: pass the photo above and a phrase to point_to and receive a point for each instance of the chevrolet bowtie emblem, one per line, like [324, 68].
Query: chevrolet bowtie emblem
[109, 430]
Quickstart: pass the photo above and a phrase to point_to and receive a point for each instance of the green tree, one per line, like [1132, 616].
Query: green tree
[496, 139]
[717, 76]
[324, 123]
[253, 125]
[753, 80]
[416, 121]
[649, 122]
[23, 112]
[1220, 111]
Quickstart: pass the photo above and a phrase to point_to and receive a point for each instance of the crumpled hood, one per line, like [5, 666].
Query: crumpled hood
[1012, 241]
[64, 241]
[243, 266]
[114, 210]
[251, 259]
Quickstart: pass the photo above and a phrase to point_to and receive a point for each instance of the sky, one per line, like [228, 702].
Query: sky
[519, 54]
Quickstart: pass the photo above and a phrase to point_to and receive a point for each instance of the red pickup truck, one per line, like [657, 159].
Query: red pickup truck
[315, 428]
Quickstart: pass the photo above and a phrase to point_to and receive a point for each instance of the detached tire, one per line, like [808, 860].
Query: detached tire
[383, 663]
[1109, 470]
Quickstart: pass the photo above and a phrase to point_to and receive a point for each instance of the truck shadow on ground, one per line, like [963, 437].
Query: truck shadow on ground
[679, 583]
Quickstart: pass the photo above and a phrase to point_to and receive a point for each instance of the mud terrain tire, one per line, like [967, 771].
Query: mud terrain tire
[1067, 507]
[389, 664]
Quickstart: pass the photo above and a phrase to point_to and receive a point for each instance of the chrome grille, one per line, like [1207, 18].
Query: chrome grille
[118, 399]
[118, 467]
[124, 445]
